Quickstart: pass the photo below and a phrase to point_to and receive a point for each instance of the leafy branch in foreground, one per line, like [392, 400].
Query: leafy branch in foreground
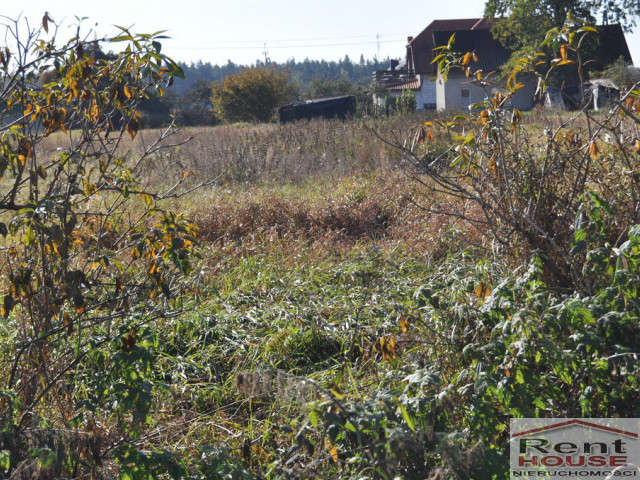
[89, 255]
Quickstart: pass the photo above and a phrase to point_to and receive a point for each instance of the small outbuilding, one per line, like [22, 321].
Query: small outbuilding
[332, 107]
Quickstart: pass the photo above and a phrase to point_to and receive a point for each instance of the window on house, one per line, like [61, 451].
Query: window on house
[465, 98]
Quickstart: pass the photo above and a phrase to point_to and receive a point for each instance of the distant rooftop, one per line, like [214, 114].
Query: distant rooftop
[474, 34]
[420, 48]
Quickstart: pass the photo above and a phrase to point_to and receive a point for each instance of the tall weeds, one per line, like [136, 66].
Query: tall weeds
[289, 153]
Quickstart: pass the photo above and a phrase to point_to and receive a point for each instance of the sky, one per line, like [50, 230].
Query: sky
[244, 31]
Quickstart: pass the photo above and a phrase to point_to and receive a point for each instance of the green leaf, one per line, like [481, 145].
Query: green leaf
[579, 241]
[587, 28]
[408, 418]
[29, 236]
[313, 417]
[5, 460]
[519, 376]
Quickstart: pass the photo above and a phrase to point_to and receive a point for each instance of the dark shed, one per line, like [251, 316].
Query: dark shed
[333, 107]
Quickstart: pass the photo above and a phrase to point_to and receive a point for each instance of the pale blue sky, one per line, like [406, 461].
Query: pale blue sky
[241, 30]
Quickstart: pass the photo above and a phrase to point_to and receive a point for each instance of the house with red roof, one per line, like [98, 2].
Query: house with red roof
[417, 72]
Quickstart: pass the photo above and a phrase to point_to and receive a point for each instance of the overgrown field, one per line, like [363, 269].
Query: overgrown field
[374, 298]
[347, 317]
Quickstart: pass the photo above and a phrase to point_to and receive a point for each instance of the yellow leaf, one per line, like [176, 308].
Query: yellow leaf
[148, 199]
[387, 347]
[516, 116]
[466, 59]
[334, 453]
[484, 117]
[563, 51]
[482, 291]
[404, 323]
[89, 188]
[45, 21]
[593, 149]
[66, 319]
[132, 128]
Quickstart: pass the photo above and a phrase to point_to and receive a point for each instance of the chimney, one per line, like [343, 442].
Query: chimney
[409, 60]
[394, 64]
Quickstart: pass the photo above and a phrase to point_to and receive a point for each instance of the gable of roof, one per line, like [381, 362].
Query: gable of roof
[420, 48]
[491, 54]
[613, 43]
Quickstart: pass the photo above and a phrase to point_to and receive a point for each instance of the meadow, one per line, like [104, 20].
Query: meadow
[352, 322]
[374, 298]
[348, 317]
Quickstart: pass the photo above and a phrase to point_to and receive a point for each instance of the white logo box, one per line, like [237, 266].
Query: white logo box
[605, 448]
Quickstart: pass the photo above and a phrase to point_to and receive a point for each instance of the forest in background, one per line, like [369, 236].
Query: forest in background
[190, 98]
[302, 72]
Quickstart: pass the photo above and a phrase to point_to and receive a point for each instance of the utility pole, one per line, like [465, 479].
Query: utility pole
[265, 53]
[378, 40]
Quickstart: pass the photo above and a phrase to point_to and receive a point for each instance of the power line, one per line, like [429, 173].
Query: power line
[257, 46]
[308, 39]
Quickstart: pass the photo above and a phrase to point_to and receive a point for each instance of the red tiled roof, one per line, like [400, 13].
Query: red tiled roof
[413, 84]
[420, 49]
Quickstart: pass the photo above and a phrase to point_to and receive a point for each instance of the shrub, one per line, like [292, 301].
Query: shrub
[92, 257]
[528, 191]
[252, 95]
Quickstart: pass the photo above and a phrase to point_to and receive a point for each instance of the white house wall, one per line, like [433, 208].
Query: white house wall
[426, 97]
[449, 94]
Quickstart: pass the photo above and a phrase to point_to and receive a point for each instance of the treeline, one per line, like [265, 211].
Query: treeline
[302, 73]
[189, 100]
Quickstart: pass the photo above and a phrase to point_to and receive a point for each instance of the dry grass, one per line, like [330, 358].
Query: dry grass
[384, 211]
[290, 153]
